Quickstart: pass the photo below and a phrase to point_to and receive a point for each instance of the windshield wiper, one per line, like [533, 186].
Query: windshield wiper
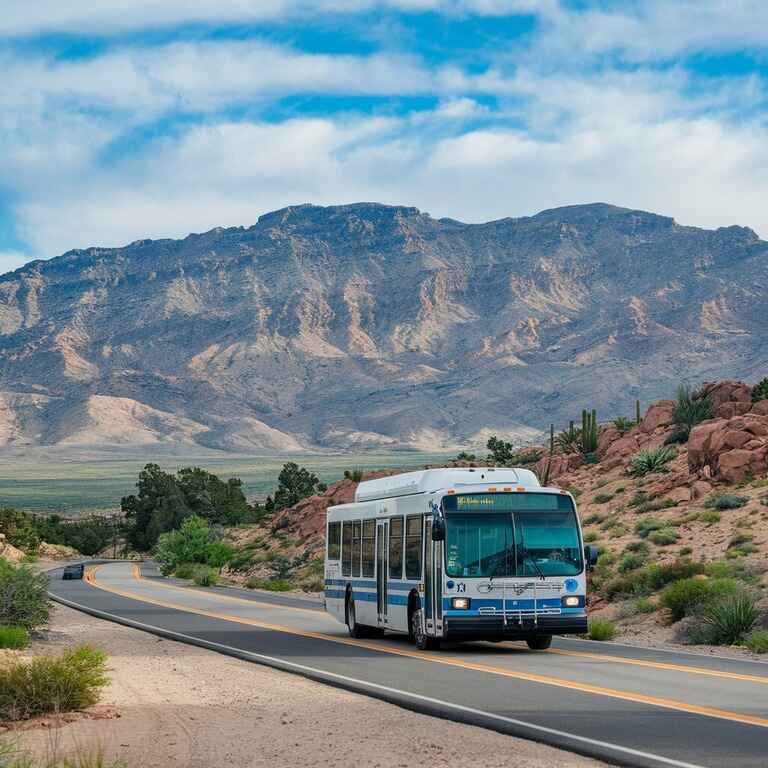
[528, 556]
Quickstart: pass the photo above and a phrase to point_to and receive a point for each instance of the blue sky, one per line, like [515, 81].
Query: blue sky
[156, 118]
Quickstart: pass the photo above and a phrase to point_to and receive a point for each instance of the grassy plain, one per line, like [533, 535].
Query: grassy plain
[53, 482]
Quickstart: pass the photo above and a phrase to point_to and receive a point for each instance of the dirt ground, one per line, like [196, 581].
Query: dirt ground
[190, 708]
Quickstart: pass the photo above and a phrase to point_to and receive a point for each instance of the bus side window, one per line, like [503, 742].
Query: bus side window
[356, 525]
[396, 548]
[369, 535]
[334, 541]
[346, 549]
[413, 548]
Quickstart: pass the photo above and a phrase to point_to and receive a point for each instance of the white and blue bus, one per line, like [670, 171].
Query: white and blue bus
[458, 554]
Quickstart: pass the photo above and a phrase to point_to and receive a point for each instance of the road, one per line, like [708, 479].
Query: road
[627, 706]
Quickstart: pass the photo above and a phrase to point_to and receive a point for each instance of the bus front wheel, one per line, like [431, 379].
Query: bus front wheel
[539, 642]
[422, 640]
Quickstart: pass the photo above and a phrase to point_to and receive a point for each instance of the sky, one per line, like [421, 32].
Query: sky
[135, 119]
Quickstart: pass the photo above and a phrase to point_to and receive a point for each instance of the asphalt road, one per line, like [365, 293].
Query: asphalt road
[628, 706]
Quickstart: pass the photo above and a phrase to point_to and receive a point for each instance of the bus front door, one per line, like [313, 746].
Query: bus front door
[433, 583]
[382, 567]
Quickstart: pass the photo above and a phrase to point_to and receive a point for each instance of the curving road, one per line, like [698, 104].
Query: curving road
[627, 706]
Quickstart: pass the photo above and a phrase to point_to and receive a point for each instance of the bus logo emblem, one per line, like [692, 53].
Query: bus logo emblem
[461, 587]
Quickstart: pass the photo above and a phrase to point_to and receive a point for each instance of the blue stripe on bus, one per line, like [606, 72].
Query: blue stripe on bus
[366, 597]
[355, 582]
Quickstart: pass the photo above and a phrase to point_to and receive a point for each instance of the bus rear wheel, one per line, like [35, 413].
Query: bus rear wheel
[539, 642]
[420, 638]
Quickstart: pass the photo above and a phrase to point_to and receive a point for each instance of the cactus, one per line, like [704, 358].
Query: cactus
[637, 411]
[588, 431]
[551, 439]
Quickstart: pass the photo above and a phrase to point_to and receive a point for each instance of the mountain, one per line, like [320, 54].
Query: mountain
[374, 326]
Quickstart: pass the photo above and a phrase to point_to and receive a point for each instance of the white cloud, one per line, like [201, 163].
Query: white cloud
[10, 260]
[21, 17]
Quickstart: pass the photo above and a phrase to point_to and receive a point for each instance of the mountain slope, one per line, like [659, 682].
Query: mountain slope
[366, 325]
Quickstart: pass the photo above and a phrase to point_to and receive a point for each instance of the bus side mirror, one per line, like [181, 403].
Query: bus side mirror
[591, 555]
[438, 529]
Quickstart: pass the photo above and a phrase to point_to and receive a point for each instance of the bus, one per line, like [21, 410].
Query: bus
[458, 554]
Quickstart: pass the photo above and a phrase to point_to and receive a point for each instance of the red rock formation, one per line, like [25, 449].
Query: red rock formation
[561, 465]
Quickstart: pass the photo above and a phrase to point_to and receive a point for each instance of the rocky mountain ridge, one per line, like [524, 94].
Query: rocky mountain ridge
[374, 326]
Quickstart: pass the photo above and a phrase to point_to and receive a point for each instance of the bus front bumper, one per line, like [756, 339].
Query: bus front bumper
[494, 628]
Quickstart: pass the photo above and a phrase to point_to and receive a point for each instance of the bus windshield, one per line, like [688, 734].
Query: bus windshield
[493, 535]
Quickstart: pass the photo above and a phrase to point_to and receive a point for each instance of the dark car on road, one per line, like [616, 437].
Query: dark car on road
[73, 571]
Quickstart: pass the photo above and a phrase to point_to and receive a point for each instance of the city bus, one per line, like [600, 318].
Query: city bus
[458, 554]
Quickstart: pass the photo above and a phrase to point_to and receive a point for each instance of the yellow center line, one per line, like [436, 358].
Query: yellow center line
[606, 658]
[573, 685]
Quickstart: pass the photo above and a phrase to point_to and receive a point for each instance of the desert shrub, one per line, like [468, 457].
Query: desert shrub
[710, 517]
[602, 498]
[764, 501]
[65, 683]
[727, 620]
[205, 576]
[663, 537]
[760, 391]
[677, 437]
[569, 441]
[644, 605]
[590, 536]
[631, 608]
[685, 597]
[723, 501]
[601, 630]
[13, 637]
[623, 424]
[194, 542]
[617, 531]
[645, 527]
[272, 585]
[356, 474]
[185, 570]
[640, 497]
[757, 641]
[594, 519]
[639, 547]
[658, 576]
[630, 562]
[651, 460]
[24, 600]
[242, 560]
[690, 410]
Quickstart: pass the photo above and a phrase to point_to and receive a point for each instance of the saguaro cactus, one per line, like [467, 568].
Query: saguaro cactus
[637, 411]
[589, 431]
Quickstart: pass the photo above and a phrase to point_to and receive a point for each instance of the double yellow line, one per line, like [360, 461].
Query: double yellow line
[574, 685]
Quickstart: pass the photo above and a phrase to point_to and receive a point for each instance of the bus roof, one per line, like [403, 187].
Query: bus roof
[432, 480]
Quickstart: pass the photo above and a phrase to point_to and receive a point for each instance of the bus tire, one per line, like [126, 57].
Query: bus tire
[420, 638]
[539, 642]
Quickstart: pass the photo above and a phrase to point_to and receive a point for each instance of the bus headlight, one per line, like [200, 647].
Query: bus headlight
[461, 603]
[572, 601]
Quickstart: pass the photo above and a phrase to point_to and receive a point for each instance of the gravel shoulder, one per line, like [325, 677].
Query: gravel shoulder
[187, 707]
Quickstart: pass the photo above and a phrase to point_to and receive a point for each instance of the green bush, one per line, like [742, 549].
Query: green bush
[644, 605]
[710, 517]
[728, 620]
[601, 630]
[685, 597]
[242, 560]
[185, 570]
[677, 437]
[634, 607]
[640, 547]
[272, 585]
[651, 460]
[663, 537]
[650, 579]
[623, 424]
[205, 576]
[644, 527]
[723, 501]
[194, 542]
[760, 391]
[757, 641]
[590, 536]
[65, 683]
[690, 410]
[602, 498]
[356, 474]
[24, 600]
[630, 562]
[594, 519]
[13, 637]
[12, 757]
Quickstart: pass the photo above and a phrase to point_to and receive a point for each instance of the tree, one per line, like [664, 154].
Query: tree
[216, 500]
[19, 529]
[294, 484]
[189, 544]
[502, 452]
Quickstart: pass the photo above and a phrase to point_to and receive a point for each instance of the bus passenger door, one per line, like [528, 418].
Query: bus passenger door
[429, 580]
[382, 569]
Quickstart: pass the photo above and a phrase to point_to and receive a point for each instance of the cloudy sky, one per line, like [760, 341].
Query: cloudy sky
[128, 119]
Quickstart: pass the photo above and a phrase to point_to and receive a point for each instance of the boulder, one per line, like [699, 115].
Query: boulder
[658, 415]
[561, 464]
[726, 391]
[730, 449]
[56, 551]
[700, 488]
[729, 410]
[9, 552]
[760, 408]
